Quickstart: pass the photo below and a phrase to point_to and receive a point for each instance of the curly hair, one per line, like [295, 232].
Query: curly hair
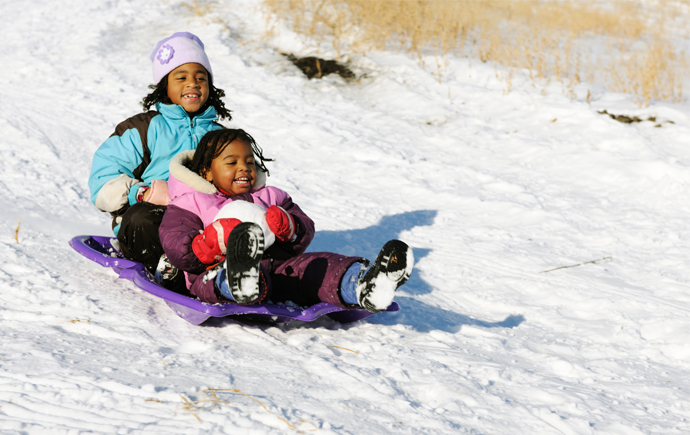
[160, 95]
[214, 142]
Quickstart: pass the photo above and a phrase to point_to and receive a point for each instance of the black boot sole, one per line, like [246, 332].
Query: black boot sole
[245, 247]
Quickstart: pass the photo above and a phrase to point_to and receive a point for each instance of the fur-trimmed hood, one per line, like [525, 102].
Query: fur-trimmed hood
[192, 192]
[179, 169]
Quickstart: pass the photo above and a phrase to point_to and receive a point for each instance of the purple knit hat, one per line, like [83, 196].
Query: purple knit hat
[176, 50]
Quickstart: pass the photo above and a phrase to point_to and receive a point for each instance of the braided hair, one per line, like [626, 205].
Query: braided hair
[214, 142]
[160, 95]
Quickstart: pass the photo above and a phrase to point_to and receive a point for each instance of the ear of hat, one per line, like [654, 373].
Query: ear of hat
[176, 50]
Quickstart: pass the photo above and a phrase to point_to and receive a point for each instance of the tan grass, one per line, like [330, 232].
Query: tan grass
[212, 400]
[16, 231]
[199, 8]
[621, 45]
[344, 348]
[651, 72]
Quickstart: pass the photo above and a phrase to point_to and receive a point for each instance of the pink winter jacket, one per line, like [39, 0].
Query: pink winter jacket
[194, 205]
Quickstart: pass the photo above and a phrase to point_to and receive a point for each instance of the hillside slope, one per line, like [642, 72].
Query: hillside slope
[492, 190]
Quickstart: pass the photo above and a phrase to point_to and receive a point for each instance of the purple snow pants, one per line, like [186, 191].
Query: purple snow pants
[306, 279]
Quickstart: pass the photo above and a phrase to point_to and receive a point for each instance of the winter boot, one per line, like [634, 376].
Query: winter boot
[392, 267]
[245, 247]
[165, 273]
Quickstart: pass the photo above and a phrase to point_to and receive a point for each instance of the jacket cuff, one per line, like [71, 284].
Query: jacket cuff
[132, 195]
[299, 229]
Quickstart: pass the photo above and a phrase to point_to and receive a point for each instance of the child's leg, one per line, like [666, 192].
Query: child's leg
[139, 241]
[240, 280]
[373, 287]
[207, 286]
[224, 292]
[138, 234]
[311, 278]
[344, 281]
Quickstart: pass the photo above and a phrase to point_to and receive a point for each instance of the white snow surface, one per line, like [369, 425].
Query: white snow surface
[491, 190]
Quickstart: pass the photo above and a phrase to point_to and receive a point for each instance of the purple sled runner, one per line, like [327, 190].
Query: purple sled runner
[100, 250]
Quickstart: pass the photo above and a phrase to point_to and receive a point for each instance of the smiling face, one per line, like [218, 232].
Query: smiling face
[234, 170]
[188, 86]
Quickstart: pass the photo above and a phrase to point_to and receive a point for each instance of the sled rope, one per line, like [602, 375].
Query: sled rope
[575, 265]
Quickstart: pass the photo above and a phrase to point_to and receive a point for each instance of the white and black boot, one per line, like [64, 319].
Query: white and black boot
[165, 272]
[245, 247]
[392, 267]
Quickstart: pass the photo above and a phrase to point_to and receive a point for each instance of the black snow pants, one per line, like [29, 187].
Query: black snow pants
[138, 234]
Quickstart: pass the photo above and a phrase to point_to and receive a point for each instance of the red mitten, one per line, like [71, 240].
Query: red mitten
[281, 223]
[209, 246]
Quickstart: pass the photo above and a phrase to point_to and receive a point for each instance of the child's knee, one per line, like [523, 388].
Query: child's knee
[143, 215]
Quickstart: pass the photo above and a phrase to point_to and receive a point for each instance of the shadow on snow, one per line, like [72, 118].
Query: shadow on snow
[366, 242]
[424, 318]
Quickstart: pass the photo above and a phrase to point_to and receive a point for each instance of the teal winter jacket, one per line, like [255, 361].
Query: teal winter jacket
[140, 151]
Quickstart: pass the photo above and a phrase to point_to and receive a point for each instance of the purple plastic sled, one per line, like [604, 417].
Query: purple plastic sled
[100, 250]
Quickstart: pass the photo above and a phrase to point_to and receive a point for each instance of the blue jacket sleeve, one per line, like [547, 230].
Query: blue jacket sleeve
[118, 155]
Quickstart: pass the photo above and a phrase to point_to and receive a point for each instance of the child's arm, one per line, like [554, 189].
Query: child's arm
[112, 178]
[304, 230]
[177, 232]
[282, 224]
[209, 246]
[119, 163]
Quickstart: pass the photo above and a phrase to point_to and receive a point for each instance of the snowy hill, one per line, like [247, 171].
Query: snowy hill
[492, 190]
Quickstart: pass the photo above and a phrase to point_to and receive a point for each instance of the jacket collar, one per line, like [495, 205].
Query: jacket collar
[178, 168]
[177, 112]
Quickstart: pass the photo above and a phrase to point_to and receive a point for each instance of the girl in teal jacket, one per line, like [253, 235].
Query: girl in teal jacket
[130, 169]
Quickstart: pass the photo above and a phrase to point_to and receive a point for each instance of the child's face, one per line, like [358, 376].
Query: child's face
[234, 170]
[188, 86]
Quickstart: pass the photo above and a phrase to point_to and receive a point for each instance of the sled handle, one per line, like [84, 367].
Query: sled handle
[101, 251]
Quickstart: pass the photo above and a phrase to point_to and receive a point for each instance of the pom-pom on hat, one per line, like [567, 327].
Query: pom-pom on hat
[176, 50]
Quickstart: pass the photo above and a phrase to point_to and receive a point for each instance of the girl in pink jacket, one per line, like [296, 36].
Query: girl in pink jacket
[239, 240]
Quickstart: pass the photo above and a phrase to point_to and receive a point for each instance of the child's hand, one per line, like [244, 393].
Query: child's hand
[209, 246]
[281, 223]
[158, 193]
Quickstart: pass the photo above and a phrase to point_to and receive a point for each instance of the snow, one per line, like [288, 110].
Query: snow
[491, 189]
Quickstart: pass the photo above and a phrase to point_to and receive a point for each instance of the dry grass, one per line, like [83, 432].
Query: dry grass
[211, 400]
[622, 45]
[199, 8]
[344, 348]
[16, 231]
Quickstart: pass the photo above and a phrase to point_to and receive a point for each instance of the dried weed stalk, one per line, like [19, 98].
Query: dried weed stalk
[16, 231]
[576, 265]
[212, 400]
[344, 348]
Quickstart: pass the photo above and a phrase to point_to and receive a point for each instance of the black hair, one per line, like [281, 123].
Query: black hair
[214, 142]
[160, 95]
